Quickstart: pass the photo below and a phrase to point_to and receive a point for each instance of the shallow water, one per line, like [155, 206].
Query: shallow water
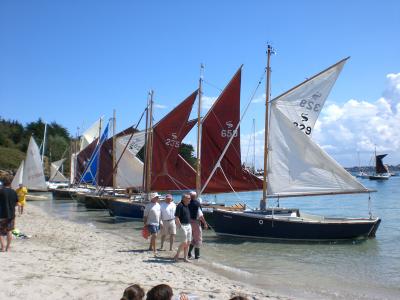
[347, 270]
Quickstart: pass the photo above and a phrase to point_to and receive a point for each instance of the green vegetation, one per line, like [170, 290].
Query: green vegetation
[14, 139]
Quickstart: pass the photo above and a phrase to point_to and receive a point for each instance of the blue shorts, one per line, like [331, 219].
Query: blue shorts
[153, 228]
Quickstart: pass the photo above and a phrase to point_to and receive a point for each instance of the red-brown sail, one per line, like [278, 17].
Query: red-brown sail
[169, 170]
[217, 128]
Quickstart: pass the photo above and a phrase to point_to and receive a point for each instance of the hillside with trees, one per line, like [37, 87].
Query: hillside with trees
[14, 140]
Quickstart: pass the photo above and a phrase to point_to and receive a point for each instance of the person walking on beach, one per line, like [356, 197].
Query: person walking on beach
[151, 219]
[196, 218]
[21, 191]
[168, 228]
[8, 201]
[182, 219]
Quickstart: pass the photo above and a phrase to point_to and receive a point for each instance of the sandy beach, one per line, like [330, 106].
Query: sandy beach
[66, 260]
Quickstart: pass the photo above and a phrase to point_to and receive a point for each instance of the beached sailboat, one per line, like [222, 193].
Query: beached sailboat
[30, 172]
[381, 170]
[296, 166]
[169, 171]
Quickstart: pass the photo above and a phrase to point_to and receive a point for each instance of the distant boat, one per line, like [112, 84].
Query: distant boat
[297, 166]
[30, 172]
[381, 170]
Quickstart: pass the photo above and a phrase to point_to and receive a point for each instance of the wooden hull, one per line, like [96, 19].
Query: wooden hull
[258, 225]
[125, 208]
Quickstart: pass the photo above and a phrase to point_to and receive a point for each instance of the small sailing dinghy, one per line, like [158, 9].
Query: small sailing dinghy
[296, 166]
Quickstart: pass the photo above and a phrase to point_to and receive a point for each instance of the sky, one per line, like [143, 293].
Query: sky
[74, 61]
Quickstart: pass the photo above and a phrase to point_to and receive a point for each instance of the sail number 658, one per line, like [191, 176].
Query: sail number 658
[228, 133]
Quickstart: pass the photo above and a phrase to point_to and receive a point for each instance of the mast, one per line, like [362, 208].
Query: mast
[144, 182]
[254, 146]
[263, 203]
[198, 166]
[113, 150]
[149, 145]
[44, 140]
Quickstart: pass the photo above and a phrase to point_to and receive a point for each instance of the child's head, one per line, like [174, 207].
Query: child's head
[133, 292]
[160, 292]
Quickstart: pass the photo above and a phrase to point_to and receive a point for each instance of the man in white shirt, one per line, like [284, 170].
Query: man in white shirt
[168, 226]
[151, 219]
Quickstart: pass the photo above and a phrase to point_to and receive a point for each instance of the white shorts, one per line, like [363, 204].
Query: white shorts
[169, 227]
[186, 233]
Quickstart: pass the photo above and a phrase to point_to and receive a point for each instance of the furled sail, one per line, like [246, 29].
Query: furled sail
[91, 134]
[130, 168]
[90, 173]
[380, 167]
[55, 174]
[297, 165]
[33, 175]
[218, 126]
[17, 180]
[303, 103]
[169, 170]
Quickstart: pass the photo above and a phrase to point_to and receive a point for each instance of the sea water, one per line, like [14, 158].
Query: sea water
[338, 270]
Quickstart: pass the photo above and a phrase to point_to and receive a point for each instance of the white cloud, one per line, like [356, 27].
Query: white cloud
[259, 99]
[356, 126]
[159, 106]
[207, 102]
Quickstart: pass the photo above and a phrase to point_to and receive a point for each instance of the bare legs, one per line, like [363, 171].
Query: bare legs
[183, 246]
[9, 239]
[153, 243]
[171, 241]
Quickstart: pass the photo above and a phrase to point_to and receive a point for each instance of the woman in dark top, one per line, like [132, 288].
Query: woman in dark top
[182, 219]
[8, 202]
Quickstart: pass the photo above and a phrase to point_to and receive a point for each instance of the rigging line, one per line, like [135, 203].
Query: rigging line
[235, 132]
[212, 85]
[123, 151]
[223, 173]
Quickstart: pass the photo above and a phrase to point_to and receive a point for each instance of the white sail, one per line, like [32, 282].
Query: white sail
[17, 180]
[90, 134]
[297, 165]
[33, 177]
[136, 142]
[55, 174]
[130, 168]
[303, 103]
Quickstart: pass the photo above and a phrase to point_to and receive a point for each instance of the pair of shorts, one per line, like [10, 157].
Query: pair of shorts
[153, 228]
[169, 227]
[186, 233]
[6, 225]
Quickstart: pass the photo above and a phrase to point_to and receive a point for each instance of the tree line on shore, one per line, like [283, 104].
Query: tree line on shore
[14, 140]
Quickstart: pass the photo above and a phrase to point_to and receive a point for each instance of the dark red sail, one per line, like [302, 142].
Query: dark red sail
[217, 128]
[169, 170]
[380, 168]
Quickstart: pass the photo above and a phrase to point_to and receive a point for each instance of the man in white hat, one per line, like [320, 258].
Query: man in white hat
[151, 219]
[168, 221]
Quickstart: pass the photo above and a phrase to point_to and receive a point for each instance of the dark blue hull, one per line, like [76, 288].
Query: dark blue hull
[126, 209]
[263, 226]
